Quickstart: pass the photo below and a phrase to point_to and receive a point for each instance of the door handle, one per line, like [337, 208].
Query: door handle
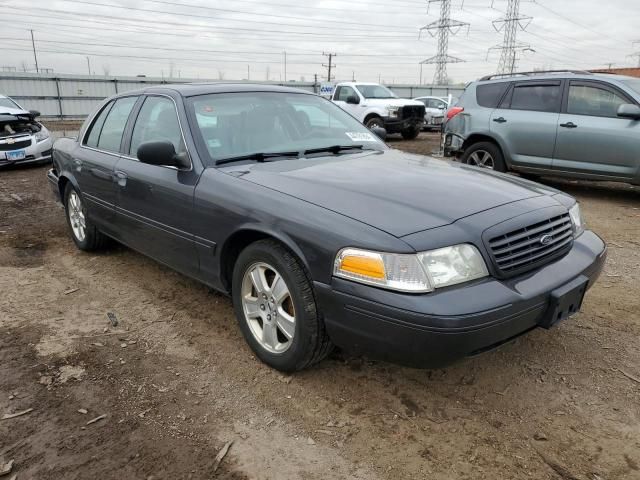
[120, 177]
[569, 125]
[500, 120]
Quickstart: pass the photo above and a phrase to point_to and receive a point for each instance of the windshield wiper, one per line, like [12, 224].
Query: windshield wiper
[335, 149]
[258, 157]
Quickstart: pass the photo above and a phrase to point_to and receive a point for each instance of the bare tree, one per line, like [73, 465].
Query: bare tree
[220, 75]
[106, 69]
[24, 66]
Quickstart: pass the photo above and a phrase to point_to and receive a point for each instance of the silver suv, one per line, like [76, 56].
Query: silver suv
[574, 124]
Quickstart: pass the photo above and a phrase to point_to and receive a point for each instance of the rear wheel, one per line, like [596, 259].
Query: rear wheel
[410, 133]
[84, 234]
[484, 155]
[276, 309]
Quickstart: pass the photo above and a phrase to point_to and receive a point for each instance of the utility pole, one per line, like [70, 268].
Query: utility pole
[285, 65]
[510, 24]
[330, 65]
[35, 57]
[88, 65]
[441, 29]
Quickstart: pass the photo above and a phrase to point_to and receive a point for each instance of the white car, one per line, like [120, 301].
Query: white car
[22, 138]
[377, 106]
[435, 109]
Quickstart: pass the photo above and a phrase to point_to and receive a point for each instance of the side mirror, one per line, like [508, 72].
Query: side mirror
[35, 113]
[352, 99]
[380, 132]
[161, 153]
[629, 110]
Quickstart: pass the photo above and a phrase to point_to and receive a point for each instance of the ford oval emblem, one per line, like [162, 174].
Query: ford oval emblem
[546, 239]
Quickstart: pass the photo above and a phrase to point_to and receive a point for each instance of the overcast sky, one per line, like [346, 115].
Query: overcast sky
[246, 38]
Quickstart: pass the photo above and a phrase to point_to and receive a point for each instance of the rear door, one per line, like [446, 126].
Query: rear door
[592, 139]
[527, 120]
[95, 159]
[155, 203]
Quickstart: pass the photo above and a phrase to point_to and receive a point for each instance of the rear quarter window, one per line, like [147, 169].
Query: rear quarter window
[490, 94]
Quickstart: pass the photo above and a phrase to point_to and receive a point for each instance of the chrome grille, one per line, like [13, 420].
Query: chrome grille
[16, 145]
[531, 246]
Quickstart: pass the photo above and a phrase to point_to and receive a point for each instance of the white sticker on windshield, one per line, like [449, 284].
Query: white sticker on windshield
[360, 136]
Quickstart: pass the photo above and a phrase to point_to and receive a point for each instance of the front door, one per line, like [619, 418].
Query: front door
[340, 98]
[155, 203]
[94, 161]
[526, 122]
[592, 139]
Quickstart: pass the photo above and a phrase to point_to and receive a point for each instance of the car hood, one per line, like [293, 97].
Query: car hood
[393, 191]
[15, 111]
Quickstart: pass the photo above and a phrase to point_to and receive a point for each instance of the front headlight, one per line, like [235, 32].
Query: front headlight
[414, 273]
[393, 111]
[42, 135]
[576, 219]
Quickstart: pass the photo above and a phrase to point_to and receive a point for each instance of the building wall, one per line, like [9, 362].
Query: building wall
[75, 96]
[631, 72]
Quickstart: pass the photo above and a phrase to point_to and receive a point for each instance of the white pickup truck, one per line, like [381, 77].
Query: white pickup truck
[377, 106]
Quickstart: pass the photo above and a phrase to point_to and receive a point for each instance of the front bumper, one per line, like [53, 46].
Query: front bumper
[433, 330]
[395, 125]
[37, 152]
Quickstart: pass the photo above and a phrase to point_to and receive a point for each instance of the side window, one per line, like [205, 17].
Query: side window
[91, 139]
[113, 127]
[537, 97]
[157, 121]
[594, 101]
[489, 94]
[346, 92]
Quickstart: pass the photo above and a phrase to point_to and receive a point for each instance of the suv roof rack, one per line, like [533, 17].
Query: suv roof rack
[526, 74]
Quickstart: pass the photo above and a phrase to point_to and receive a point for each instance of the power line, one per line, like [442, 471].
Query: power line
[510, 24]
[442, 28]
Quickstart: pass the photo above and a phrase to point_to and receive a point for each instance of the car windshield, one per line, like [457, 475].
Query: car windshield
[375, 91]
[263, 123]
[8, 103]
[634, 84]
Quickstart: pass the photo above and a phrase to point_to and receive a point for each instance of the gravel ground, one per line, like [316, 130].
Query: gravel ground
[176, 381]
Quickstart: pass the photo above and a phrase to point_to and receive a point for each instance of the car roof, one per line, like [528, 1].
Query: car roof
[194, 89]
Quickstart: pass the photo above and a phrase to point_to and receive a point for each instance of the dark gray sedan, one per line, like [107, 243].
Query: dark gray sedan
[321, 234]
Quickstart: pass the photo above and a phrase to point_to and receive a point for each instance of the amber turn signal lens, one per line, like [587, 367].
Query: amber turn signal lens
[367, 266]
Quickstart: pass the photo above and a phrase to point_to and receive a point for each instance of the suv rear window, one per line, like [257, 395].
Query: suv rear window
[489, 94]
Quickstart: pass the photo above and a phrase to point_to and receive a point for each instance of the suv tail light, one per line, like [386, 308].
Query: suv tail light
[453, 111]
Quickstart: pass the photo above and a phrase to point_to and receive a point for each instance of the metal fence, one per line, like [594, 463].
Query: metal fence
[75, 96]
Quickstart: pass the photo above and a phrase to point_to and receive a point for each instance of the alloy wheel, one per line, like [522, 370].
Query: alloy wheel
[268, 307]
[481, 158]
[76, 216]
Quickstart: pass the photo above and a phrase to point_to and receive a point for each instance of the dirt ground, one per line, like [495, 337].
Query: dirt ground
[175, 380]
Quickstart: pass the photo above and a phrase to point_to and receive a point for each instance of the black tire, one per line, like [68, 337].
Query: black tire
[474, 154]
[374, 121]
[310, 343]
[93, 238]
[410, 133]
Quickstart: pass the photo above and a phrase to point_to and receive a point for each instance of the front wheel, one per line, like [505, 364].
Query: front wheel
[410, 133]
[374, 122]
[276, 309]
[484, 155]
[84, 234]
